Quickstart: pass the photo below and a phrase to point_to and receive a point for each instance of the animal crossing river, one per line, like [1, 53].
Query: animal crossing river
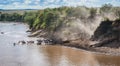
[44, 55]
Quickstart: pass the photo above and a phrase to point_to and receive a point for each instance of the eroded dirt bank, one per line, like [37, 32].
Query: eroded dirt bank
[106, 38]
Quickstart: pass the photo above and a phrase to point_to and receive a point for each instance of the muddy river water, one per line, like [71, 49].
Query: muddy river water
[44, 55]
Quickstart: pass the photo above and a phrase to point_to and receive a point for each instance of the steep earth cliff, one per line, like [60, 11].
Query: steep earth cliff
[108, 34]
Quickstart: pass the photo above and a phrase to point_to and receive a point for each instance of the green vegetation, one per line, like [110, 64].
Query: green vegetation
[10, 17]
[52, 19]
[14, 15]
[93, 12]
[109, 9]
[29, 17]
[106, 8]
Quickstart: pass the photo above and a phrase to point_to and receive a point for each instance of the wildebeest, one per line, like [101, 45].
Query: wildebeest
[14, 44]
[44, 41]
[39, 42]
[30, 42]
[22, 42]
[2, 32]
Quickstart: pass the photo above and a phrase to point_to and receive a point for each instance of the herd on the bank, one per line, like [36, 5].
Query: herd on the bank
[38, 42]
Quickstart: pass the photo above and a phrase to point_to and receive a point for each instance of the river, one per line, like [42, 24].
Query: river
[44, 55]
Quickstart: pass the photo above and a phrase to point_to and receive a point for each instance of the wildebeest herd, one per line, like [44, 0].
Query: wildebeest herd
[38, 42]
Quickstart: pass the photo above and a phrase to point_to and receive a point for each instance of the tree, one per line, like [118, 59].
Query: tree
[30, 17]
[106, 8]
[93, 12]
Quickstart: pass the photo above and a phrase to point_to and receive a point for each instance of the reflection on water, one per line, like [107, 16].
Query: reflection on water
[69, 57]
[33, 55]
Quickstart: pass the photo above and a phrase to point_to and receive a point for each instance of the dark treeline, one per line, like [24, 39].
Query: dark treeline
[11, 17]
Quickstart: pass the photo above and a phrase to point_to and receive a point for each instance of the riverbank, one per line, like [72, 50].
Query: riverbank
[88, 46]
[106, 38]
[100, 50]
[81, 44]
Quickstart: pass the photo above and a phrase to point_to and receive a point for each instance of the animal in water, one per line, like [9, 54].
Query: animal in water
[44, 42]
[14, 24]
[14, 44]
[30, 42]
[2, 32]
[39, 42]
[22, 42]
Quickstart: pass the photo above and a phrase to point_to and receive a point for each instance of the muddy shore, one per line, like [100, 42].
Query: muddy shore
[106, 38]
[87, 45]
[101, 50]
